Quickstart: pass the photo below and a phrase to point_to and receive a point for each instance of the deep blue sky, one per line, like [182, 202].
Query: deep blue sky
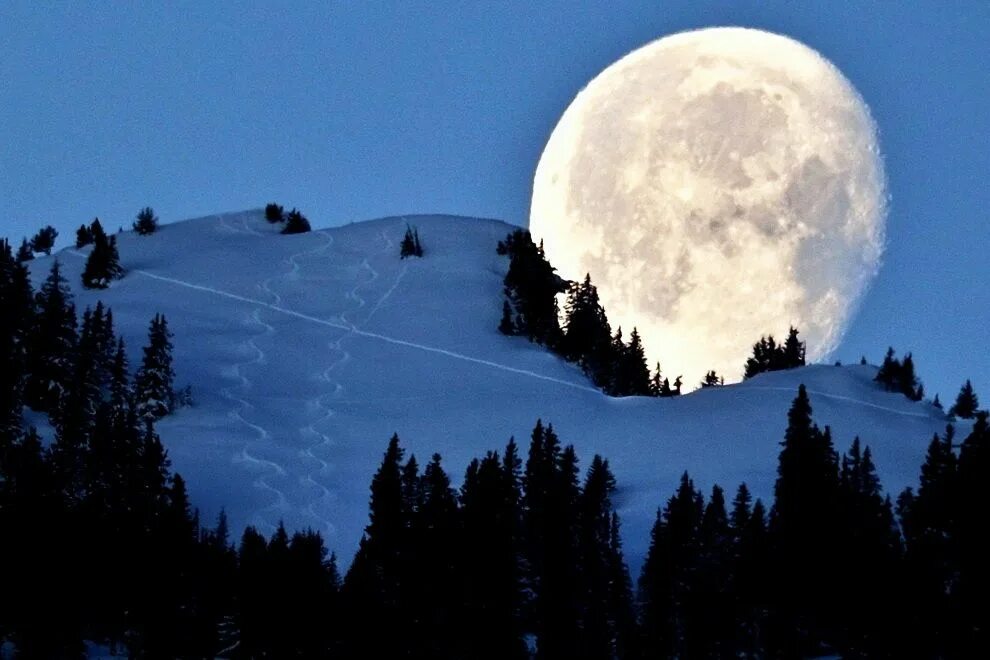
[355, 110]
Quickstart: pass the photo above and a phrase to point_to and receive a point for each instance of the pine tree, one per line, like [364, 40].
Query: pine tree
[907, 381]
[973, 546]
[749, 571]
[296, 223]
[936, 402]
[16, 326]
[929, 520]
[103, 263]
[710, 612]
[656, 382]
[793, 350]
[635, 376]
[586, 328]
[804, 527]
[24, 253]
[154, 393]
[491, 554]
[374, 586]
[870, 575]
[146, 222]
[605, 596]
[667, 580]
[966, 403]
[531, 286]
[437, 569]
[712, 380]
[84, 237]
[274, 213]
[44, 240]
[53, 343]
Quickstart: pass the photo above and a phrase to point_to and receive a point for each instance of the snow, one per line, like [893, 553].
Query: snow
[306, 352]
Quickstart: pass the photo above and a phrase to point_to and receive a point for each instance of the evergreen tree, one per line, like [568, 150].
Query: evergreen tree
[632, 374]
[103, 263]
[749, 572]
[53, 343]
[936, 402]
[973, 546]
[929, 520]
[793, 350]
[491, 555]
[373, 586]
[667, 582]
[870, 569]
[966, 403]
[437, 570]
[656, 382]
[410, 247]
[44, 240]
[768, 356]
[531, 287]
[586, 328]
[804, 529]
[296, 223]
[24, 253]
[712, 380]
[16, 326]
[84, 237]
[154, 394]
[605, 598]
[146, 222]
[711, 615]
[274, 213]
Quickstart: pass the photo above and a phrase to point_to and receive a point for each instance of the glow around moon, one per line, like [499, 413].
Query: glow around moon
[719, 185]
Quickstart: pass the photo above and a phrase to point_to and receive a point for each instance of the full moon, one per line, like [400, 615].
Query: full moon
[718, 185]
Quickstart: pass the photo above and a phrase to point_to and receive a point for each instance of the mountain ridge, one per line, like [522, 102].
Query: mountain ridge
[306, 352]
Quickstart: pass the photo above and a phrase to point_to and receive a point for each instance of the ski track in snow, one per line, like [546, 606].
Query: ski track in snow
[848, 399]
[241, 406]
[358, 332]
[459, 356]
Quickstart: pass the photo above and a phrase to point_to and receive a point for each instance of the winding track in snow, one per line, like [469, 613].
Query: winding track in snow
[243, 405]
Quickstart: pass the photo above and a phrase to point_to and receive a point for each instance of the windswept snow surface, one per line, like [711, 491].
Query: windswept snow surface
[306, 352]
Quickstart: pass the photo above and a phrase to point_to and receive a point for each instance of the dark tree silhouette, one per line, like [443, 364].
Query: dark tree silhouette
[44, 240]
[410, 245]
[103, 263]
[274, 213]
[296, 223]
[146, 222]
[966, 403]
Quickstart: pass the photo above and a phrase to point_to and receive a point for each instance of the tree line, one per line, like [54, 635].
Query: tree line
[618, 367]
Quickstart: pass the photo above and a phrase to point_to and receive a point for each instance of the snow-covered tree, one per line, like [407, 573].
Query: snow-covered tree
[154, 395]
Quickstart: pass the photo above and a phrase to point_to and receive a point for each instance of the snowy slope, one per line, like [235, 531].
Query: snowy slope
[306, 352]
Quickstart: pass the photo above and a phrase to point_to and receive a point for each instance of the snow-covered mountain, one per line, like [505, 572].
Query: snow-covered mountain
[306, 352]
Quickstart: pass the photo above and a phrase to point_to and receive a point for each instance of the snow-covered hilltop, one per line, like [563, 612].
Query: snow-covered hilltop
[306, 352]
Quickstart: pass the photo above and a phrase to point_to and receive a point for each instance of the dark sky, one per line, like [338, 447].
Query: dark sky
[355, 110]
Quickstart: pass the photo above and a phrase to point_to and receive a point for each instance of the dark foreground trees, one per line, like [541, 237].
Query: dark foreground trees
[522, 558]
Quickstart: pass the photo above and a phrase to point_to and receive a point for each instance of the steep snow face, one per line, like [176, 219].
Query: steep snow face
[306, 352]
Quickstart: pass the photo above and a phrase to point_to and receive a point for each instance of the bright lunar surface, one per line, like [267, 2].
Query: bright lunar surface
[718, 185]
